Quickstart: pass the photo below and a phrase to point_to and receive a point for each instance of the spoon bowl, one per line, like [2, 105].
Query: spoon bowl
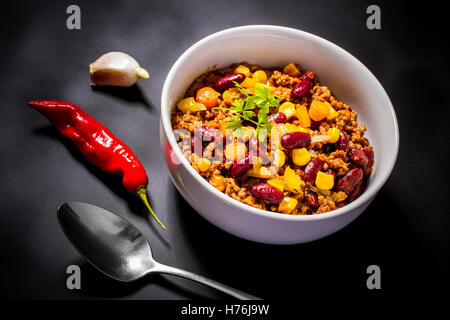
[117, 248]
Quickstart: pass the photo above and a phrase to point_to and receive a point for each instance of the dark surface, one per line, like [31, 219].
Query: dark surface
[404, 231]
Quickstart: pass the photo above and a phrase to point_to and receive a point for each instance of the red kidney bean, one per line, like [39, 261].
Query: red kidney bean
[350, 181]
[371, 157]
[311, 199]
[301, 89]
[293, 140]
[308, 75]
[342, 143]
[242, 165]
[196, 145]
[226, 82]
[356, 192]
[242, 177]
[267, 193]
[278, 117]
[311, 169]
[331, 172]
[358, 157]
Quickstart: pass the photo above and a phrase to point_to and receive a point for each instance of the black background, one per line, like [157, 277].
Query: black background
[404, 231]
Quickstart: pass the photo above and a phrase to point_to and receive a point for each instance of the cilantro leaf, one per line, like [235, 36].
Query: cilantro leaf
[242, 89]
[263, 93]
[234, 123]
[250, 105]
[247, 115]
[238, 132]
[242, 109]
[261, 115]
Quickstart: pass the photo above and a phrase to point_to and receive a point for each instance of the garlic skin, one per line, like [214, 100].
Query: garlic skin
[116, 69]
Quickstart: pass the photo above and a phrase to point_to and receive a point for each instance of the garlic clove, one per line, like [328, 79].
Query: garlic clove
[142, 73]
[116, 69]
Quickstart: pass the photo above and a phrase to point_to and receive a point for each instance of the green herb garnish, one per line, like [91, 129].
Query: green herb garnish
[244, 110]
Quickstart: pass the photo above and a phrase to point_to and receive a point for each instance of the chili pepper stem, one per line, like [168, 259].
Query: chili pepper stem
[142, 193]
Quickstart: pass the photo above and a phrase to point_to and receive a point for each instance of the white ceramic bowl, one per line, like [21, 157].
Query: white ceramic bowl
[269, 46]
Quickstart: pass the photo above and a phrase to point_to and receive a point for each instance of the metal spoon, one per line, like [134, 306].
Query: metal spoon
[117, 248]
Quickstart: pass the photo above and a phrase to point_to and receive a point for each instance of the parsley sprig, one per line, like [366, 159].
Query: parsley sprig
[244, 109]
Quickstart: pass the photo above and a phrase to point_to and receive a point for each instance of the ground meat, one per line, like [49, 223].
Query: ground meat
[280, 79]
[335, 161]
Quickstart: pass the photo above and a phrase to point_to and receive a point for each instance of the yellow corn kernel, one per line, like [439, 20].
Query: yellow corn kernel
[194, 158]
[293, 128]
[277, 183]
[260, 76]
[243, 69]
[288, 108]
[291, 70]
[226, 94]
[334, 134]
[278, 129]
[278, 158]
[203, 164]
[287, 205]
[248, 132]
[303, 116]
[290, 127]
[324, 181]
[262, 86]
[292, 179]
[333, 113]
[262, 172]
[256, 161]
[301, 156]
[282, 129]
[301, 129]
[231, 93]
[235, 150]
[189, 104]
[218, 182]
[248, 83]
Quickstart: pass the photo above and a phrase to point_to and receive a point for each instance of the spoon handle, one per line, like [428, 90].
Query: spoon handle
[161, 268]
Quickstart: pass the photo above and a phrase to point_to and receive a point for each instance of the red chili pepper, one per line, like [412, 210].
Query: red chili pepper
[98, 145]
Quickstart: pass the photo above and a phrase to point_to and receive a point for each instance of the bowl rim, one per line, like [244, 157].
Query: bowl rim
[167, 126]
